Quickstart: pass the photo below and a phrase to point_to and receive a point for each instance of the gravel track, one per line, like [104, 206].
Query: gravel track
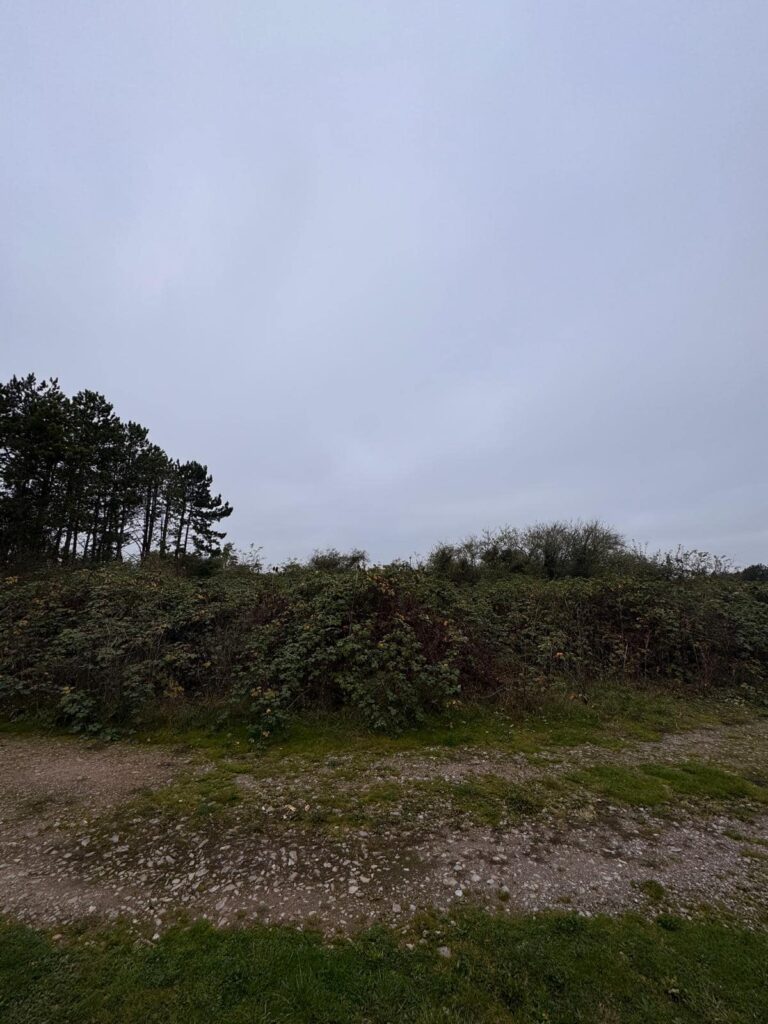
[70, 847]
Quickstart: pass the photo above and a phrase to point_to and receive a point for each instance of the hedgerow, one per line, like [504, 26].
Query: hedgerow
[101, 648]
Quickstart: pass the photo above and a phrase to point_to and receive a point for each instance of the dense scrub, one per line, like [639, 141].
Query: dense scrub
[104, 647]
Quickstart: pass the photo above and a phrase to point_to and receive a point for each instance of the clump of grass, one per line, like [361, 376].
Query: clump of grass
[653, 889]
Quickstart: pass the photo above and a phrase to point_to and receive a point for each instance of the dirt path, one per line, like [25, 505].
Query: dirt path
[147, 834]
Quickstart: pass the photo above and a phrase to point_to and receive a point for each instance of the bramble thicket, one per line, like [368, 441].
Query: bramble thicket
[97, 647]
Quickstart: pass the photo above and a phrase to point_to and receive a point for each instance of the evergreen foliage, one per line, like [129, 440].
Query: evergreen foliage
[79, 484]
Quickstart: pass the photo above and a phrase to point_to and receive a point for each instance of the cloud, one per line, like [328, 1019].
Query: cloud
[398, 273]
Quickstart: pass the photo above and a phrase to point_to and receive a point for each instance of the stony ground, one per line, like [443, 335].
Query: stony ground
[149, 834]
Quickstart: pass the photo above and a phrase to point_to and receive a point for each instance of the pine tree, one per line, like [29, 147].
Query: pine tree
[76, 482]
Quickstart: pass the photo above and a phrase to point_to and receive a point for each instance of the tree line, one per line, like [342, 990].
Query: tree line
[77, 483]
[551, 551]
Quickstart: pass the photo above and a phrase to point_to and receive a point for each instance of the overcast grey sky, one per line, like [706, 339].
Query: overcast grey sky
[401, 271]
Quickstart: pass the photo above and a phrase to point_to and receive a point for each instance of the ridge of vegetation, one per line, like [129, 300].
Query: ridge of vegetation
[123, 646]
[119, 606]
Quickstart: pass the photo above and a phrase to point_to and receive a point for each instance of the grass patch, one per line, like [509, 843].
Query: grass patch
[754, 853]
[707, 781]
[209, 740]
[484, 799]
[624, 785]
[741, 837]
[201, 796]
[210, 797]
[610, 714]
[487, 799]
[343, 750]
[558, 968]
[650, 785]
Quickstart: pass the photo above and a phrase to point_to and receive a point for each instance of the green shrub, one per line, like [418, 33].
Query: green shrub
[372, 639]
[100, 646]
